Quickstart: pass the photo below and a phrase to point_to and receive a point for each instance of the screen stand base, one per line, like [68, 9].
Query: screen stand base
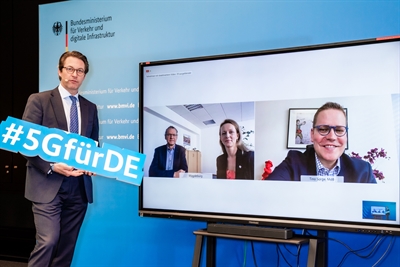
[317, 250]
[247, 230]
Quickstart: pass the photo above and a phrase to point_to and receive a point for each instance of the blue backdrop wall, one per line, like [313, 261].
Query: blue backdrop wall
[119, 35]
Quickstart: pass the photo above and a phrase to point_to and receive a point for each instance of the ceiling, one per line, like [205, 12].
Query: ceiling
[208, 115]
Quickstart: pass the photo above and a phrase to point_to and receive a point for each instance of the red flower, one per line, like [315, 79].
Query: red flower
[267, 169]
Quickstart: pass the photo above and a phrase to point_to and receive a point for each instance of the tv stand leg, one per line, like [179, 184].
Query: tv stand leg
[211, 247]
[197, 251]
[312, 252]
[317, 250]
[322, 248]
[210, 252]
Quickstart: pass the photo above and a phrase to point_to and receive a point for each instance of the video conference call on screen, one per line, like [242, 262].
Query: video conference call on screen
[261, 106]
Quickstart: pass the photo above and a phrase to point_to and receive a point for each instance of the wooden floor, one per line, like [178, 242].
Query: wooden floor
[12, 264]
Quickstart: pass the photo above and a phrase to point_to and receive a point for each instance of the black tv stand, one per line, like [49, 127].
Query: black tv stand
[249, 230]
[317, 255]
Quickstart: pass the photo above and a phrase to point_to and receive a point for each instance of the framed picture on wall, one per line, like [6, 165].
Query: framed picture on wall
[186, 140]
[300, 125]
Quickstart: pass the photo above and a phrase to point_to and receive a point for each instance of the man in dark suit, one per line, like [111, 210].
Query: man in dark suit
[59, 193]
[169, 160]
[326, 156]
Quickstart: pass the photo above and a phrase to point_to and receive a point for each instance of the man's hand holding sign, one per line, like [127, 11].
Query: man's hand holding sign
[68, 171]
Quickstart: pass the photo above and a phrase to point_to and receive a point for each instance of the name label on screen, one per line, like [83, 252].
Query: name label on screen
[195, 175]
[317, 178]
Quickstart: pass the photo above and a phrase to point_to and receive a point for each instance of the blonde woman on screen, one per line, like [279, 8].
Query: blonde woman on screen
[237, 161]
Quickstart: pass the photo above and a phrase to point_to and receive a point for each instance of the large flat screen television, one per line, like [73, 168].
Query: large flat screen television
[272, 95]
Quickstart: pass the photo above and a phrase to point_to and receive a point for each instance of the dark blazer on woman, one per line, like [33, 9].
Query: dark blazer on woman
[297, 163]
[244, 165]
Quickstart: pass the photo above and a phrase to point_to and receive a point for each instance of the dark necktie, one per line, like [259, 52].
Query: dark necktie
[73, 125]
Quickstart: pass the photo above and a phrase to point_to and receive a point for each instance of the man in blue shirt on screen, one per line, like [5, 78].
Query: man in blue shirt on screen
[325, 160]
[169, 160]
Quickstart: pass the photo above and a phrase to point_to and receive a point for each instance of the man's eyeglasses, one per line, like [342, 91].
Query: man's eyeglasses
[71, 70]
[326, 129]
[171, 135]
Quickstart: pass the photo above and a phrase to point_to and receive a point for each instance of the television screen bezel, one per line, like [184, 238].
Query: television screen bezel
[271, 221]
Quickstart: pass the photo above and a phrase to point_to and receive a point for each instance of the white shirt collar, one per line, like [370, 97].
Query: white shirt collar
[65, 94]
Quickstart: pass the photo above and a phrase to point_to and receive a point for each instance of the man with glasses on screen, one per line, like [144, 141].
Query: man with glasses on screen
[325, 160]
[169, 160]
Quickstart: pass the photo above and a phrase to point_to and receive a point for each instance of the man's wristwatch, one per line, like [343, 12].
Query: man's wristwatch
[51, 168]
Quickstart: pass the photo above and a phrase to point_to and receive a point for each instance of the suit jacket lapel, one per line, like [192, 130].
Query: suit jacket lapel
[311, 165]
[164, 156]
[58, 107]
